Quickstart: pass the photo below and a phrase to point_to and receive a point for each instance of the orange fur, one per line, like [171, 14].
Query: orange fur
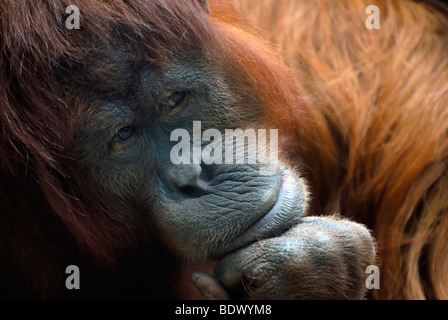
[366, 117]
[376, 146]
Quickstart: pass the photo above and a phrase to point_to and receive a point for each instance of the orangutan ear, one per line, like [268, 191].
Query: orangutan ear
[205, 5]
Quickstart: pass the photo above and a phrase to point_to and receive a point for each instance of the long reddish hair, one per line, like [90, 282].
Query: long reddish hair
[378, 151]
[39, 117]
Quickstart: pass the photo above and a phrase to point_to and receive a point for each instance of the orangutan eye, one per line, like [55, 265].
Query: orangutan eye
[124, 135]
[174, 104]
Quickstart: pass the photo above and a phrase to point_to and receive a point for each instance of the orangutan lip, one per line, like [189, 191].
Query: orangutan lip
[254, 232]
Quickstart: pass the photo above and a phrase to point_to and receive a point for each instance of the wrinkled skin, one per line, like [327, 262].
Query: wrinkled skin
[295, 265]
[252, 224]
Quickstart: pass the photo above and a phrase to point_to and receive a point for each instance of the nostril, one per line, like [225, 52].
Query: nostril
[188, 189]
[185, 180]
[192, 191]
[186, 175]
[206, 173]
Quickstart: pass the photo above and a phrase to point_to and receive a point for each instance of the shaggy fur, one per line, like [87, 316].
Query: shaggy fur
[378, 149]
[49, 218]
[366, 120]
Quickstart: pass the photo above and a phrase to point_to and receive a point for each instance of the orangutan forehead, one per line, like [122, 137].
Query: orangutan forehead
[158, 26]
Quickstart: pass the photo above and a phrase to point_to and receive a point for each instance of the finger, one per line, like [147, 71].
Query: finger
[229, 270]
[209, 287]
